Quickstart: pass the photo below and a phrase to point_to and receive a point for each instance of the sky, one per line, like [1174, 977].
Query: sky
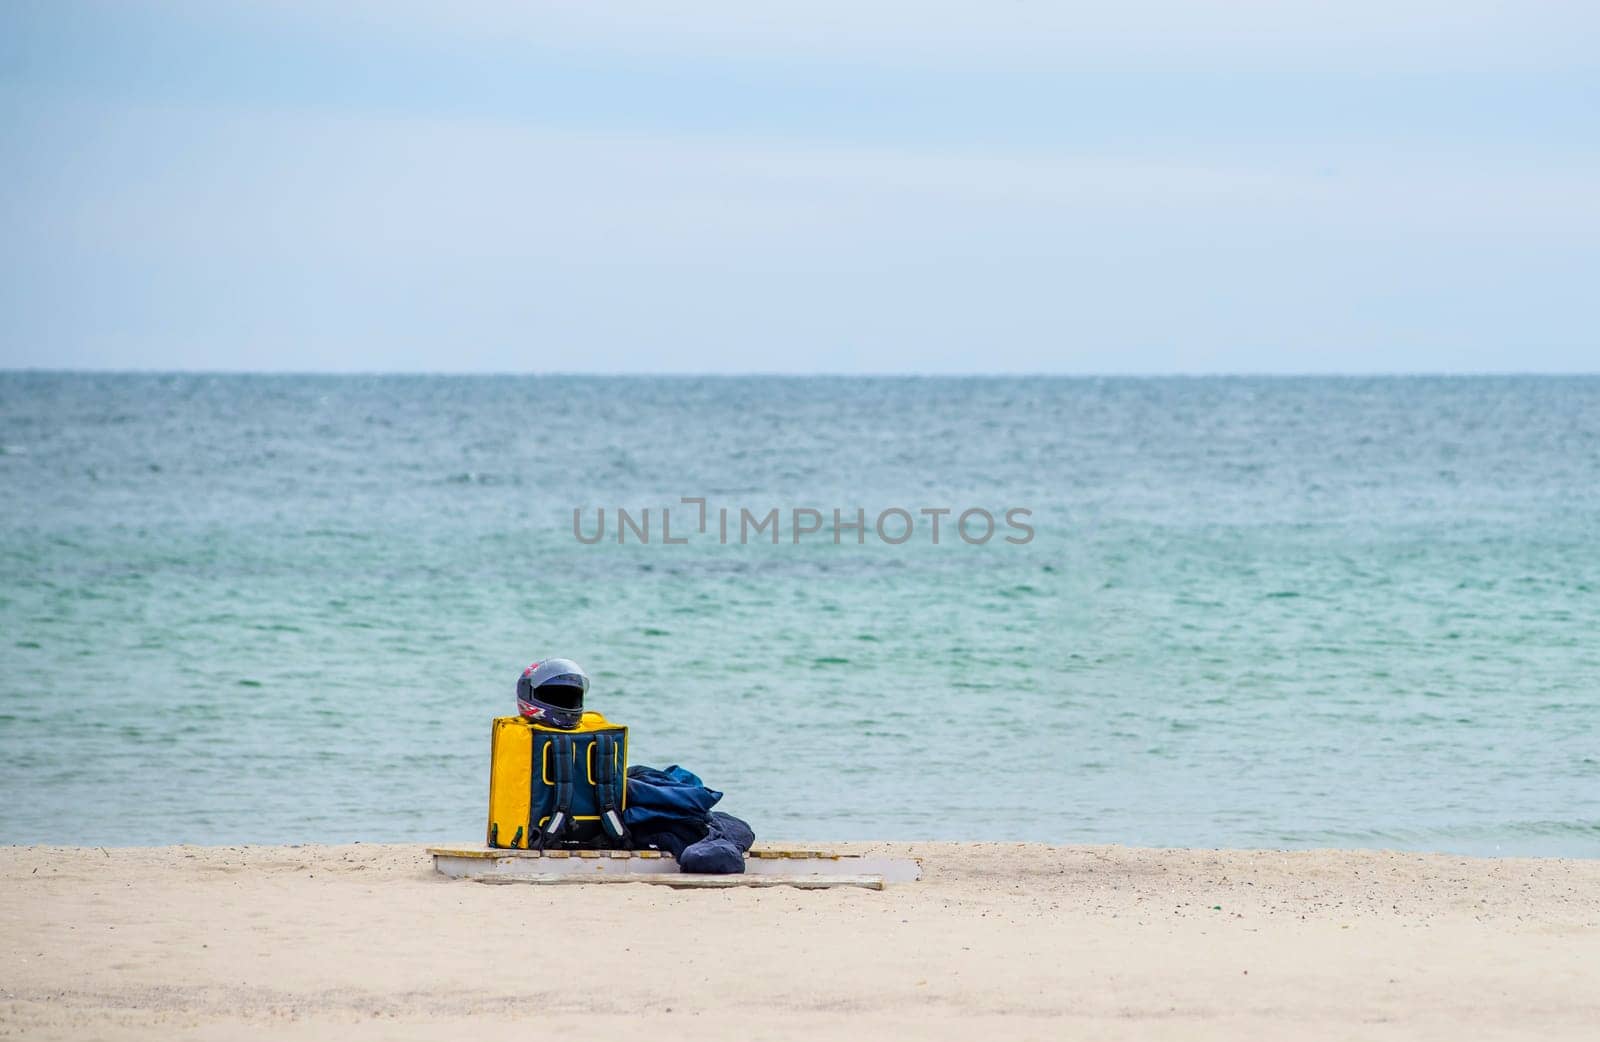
[828, 186]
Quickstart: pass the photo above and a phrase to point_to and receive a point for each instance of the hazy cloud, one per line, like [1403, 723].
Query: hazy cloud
[930, 188]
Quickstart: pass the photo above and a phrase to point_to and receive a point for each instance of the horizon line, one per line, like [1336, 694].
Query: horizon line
[824, 374]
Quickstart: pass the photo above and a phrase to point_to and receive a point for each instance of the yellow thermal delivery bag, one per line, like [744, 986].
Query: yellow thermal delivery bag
[554, 788]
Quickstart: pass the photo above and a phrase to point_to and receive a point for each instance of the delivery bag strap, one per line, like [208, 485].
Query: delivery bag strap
[607, 788]
[560, 819]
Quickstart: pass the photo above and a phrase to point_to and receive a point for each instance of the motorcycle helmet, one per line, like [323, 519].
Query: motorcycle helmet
[551, 693]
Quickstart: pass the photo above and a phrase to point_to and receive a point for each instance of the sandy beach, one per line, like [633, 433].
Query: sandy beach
[364, 941]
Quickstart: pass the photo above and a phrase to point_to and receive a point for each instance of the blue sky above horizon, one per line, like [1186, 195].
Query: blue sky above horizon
[819, 187]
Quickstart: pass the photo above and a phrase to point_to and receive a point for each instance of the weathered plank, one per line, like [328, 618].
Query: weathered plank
[689, 881]
[477, 862]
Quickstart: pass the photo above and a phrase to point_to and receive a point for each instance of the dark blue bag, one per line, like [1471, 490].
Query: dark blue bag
[671, 811]
[657, 798]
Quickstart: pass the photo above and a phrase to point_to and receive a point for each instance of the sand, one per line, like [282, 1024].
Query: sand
[366, 942]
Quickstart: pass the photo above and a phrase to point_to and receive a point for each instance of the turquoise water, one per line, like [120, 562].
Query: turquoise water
[1280, 612]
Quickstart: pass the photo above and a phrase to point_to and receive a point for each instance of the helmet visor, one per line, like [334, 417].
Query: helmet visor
[560, 695]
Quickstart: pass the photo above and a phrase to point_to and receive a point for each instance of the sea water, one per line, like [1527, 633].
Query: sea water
[1236, 612]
